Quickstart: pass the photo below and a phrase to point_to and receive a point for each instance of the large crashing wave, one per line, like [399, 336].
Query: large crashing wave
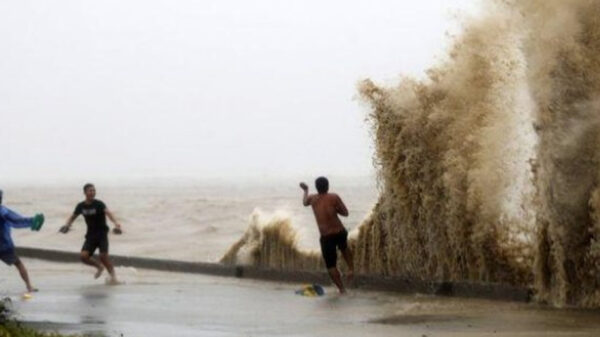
[490, 166]
[271, 242]
[564, 79]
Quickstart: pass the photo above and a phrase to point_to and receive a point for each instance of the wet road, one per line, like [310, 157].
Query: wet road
[153, 303]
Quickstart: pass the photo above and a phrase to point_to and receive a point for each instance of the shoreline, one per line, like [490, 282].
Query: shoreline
[490, 291]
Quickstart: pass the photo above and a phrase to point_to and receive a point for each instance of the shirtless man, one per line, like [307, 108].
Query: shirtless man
[94, 212]
[326, 207]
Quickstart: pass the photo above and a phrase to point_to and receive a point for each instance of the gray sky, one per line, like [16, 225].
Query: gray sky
[223, 88]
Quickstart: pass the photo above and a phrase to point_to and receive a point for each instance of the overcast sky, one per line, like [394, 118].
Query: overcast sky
[221, 88]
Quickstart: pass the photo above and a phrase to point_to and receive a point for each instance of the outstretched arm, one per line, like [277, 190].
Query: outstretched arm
[71, 219]
[306, 197]
[67, 226]
[112, 218]
[16, 220]
[340, 207]
[65, 229]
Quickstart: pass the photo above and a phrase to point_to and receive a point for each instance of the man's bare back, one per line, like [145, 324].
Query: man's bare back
[326, 208]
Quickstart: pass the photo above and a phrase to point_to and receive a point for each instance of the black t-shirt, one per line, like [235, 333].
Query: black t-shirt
[94, 216]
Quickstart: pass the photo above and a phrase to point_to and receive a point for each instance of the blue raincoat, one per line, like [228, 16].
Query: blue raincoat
[8, 219]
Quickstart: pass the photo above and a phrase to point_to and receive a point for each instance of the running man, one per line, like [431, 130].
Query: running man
[8, 219]
[94, 212]
[326, 207]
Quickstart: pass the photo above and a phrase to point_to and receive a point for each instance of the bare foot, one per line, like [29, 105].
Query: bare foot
[31, 289]
[112, 281]
[99, 272]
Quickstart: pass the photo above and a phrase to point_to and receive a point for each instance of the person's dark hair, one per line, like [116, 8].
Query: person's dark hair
[322, 185]
[86, 186]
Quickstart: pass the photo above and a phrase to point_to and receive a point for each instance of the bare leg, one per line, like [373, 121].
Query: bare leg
[334, 273]
[86, 259]
[111, 270]
[23, 271]
[347, 253]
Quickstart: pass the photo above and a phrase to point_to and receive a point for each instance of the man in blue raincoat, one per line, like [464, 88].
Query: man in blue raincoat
[8, 219]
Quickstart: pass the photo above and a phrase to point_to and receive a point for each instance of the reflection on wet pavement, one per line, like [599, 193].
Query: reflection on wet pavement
[152, 303]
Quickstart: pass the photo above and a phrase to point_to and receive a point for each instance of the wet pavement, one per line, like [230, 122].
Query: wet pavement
[151, 303]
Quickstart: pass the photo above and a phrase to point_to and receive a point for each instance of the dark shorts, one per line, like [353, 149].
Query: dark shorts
[329, 244]
[93, 242]
[8, 256]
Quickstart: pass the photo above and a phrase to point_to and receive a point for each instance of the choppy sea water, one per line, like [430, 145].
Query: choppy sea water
[192, 221]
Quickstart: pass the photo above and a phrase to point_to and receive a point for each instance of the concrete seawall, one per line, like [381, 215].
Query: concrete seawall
[368, 282]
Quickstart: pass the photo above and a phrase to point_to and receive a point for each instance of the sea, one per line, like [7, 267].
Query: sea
[180, 219]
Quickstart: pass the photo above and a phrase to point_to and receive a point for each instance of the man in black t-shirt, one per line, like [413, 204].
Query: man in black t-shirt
[94, 212]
